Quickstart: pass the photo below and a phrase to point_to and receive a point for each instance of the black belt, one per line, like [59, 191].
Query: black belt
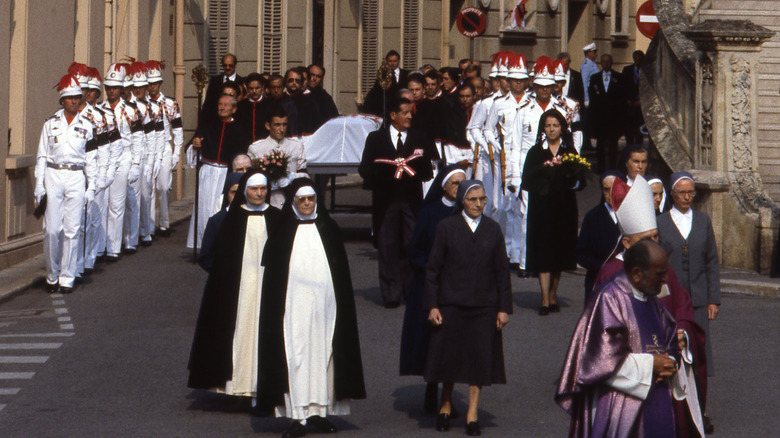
[78, 167]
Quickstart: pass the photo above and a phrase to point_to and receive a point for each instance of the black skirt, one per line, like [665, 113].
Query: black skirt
[466, 348]
[416, 331]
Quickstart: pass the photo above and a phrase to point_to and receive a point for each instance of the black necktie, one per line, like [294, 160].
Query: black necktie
[400, 144]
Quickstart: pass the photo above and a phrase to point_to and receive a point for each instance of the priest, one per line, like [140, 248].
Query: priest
[310, 364]
[224, 352]
[620, 374]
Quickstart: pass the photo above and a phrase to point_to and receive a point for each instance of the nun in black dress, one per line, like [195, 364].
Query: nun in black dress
[440, 202]
[469, 298]
[552, 208]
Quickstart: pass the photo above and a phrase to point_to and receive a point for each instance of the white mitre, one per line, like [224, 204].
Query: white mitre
[636, 212]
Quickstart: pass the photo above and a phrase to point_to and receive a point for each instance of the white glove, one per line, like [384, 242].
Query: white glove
[135, 173]
[157, 167]
[39, 193]
[89, 197]
[101, 184]
[174, 159]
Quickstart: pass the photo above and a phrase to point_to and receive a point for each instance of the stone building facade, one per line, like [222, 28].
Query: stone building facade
[41, 38]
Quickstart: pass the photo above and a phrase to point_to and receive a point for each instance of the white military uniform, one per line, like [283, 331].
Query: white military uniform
[489, 177]
[155, 138]
[572, 119]
[65, 171]
[521, 139]
[94, 229]
[133, 201]
[172, 130]
[128, 169]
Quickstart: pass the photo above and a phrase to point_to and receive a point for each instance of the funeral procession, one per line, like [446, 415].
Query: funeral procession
[389, 218]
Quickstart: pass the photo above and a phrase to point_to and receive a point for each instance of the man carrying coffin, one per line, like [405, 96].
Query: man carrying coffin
[310, 364]
[224, 351]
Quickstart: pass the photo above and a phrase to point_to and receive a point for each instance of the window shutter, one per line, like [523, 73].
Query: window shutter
[219, 33]
[272, 36]
[369, 52]
[411, 33]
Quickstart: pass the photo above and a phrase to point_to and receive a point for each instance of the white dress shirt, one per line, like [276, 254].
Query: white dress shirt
[472, 223]
[394, 136]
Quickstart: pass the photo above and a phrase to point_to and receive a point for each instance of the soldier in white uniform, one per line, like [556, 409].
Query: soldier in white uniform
[129, 165]
[172, 130]
[497, 132]
[92, 233]
[522, 136]
[572, 106]
[65, 172]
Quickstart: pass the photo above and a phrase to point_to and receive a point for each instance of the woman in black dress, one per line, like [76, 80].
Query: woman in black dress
[440, 202]
[469, 299]
[552, 208]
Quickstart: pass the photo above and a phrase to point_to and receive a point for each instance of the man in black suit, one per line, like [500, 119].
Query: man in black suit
[373, 103]
[214, 89]
[573, 87]
[326, 108]
[634, 118]
[396, 161]
[607, 105]
[253, 111]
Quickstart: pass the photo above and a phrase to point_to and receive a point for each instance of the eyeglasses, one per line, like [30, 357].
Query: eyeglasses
[300, 81]
[690, 193]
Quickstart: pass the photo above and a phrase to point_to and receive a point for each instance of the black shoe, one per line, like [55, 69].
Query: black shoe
[708, 427]
[544, 310]
[146, 243]
[472, 429]
[78, 280]
[130, 250]
[296, 429]
[100, 258]
[522, 273]
[392, 305]
[52, 288]
[112, 258]
[554, 308]
[443, 423]
[321, 424]
[431, 398]
[163, 232]
[66, 290]
[88, 271]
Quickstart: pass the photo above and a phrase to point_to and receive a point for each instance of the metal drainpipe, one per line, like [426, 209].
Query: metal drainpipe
[178, 82]
[108, 39]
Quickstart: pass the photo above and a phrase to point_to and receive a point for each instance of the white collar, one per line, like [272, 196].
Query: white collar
[447, 202]
[394, 135]
[250, 207]
[229, 78]
[472, 223]
[638, 294]
[611, 212]
[688, 214]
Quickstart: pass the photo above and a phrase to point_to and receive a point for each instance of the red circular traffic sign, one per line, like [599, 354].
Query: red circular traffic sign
[471, 22]
[646, 20]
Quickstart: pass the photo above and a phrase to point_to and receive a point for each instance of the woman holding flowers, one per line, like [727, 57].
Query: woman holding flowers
[552, 172]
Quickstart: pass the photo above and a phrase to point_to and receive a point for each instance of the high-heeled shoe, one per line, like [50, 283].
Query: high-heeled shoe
[443, 423]
[472, 429]
[544, 310]
[554, 308]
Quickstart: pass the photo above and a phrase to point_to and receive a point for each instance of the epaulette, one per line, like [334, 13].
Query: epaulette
[524, 104]
[132, 104]
[53, 116]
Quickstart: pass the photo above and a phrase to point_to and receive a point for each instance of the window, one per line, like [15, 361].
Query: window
[411, 32]
[218, 33]
[369, 44]
[272, 37]
[619, 12]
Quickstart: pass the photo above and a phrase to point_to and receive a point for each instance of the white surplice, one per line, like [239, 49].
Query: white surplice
[246, 336]
[309, 323]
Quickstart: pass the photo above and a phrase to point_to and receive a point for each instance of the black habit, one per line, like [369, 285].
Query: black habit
[326, 107]
[598, 238]
[552, 212]
[467, 279]
[223, 140]
[253, 115]
[272, 381]
[211, 357]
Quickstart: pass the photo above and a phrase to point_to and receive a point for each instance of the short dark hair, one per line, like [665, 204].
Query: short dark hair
[318, 66]
[251, 77]
[453, 72]
[292, 70]
[464, 61]
[563, 55]
[233, 85]
[275, 77]
[392, 53]
[474, 68]
[416, 77]
[275, 111]
[467, 85]
[638, 256]
[476, 78]
[433, 74]
[395, 105]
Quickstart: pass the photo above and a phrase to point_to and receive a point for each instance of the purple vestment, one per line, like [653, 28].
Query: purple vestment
[607, 332]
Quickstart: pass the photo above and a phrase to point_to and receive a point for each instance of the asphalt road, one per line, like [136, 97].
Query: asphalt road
[111, 359]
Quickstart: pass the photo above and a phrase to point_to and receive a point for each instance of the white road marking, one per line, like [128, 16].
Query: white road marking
[1, 407]
[9, 391]
[38, 335]
[58, 302]
[63, 319]
[60, 310]
[32, 346]
[14, 376]
[23, 359]
[66, 326]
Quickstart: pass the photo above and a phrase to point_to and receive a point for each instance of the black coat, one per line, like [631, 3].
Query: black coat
[607, 107]
[223, 140]
[206, 254]
[208, 112]
[552, 213]
[468, 269]
[308, 112]
[455, 127]
[375, 101]
[272, 382]
[429, 116]
[211, 357]
[253, 116]
[380, 177]
[598, 238]
[326, 107]
[576, 90]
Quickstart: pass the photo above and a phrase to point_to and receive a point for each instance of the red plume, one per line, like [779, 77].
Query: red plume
[78, 69]
[157, 65]
[138, 67]
[619, 191]
[66, 81]
[94, 73]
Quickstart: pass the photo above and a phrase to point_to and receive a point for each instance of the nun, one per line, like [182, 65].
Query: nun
[206, 254]
[310, 364]
[440, 202]
[660, 200]
[469, 298]
[224, 351]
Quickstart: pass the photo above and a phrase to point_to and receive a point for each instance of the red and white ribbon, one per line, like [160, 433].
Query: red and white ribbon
[402, 164]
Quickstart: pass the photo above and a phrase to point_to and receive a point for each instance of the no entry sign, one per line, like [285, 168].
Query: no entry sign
[646, 20]
[471, 22]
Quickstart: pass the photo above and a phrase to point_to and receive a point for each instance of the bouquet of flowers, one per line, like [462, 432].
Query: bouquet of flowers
[562, 173]
[273, 165]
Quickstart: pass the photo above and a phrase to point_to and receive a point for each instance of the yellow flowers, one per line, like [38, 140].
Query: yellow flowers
[576, 159]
